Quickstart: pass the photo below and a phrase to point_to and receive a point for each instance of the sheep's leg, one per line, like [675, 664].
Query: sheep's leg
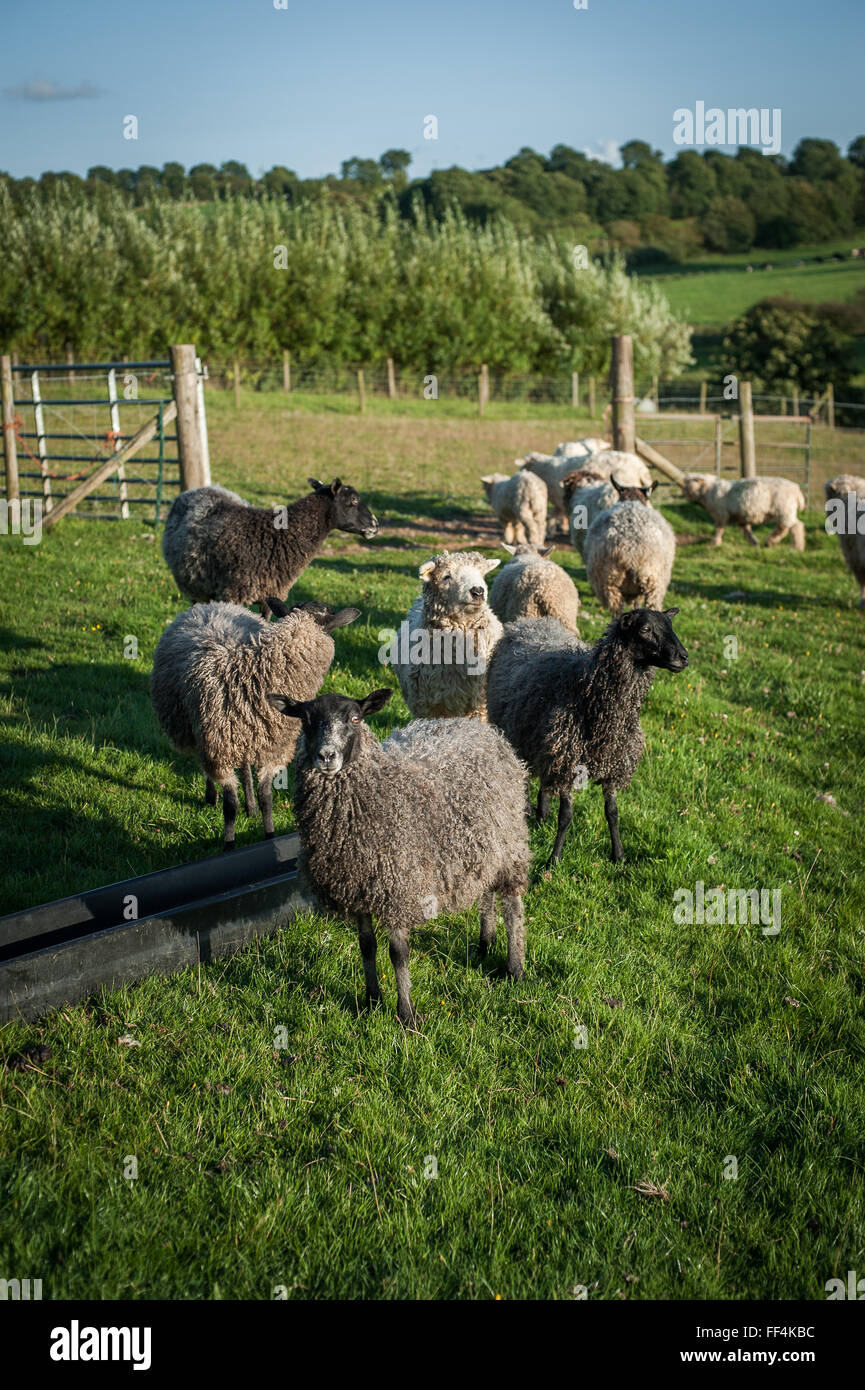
[752, 539]
[718, 536]
[487, 907]
[778, 534]
[515, 921]
[209, 792]
[543, 804]
[399, 961]
[230, 805]
[611, 810]
[509, 533]
[368, 947]
[265, 609]
[798, 537]
[265, 799]
[566, 812]
[248, 791]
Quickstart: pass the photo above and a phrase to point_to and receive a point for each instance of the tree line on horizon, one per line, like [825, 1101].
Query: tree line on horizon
[650, 209]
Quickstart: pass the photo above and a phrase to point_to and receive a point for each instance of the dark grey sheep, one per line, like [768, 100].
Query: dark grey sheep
[432, 820]
[219, 547]
[572, 712]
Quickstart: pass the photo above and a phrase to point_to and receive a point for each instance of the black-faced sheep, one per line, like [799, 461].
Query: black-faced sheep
[445, 644]
[531, 586]
[219, 547]
[211, 672]
[748, 502]
[520, 503]
[430, 821]
[847, 522]
[572, 712]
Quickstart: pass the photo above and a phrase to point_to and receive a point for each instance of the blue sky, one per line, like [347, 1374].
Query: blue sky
[321, 80]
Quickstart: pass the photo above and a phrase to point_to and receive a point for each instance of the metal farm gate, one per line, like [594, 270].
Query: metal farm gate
[67, 419]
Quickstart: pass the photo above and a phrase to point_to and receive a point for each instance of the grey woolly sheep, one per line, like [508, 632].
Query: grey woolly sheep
[748, 502]
[432, 820]
[520, 503]
[531, 586]
[445, 643]
[848, 523]
[587, 495]
[629, 553]
[572, 712]
[211, 671]
[552, 468]
[219, 547]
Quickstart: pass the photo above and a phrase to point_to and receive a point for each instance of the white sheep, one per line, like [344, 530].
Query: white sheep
[749, 502]
[588, 496]
[552, 468]
[845, 522]
[445, 644]
[630, 469]
[532, 586]
[520, 503]
[629, 555]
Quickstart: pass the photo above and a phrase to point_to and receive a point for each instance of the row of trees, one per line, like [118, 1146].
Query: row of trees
[719, 201]
[253, 276]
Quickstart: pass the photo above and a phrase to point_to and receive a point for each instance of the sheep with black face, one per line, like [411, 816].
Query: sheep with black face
[432, 820]
[572, 711]
[219, 547]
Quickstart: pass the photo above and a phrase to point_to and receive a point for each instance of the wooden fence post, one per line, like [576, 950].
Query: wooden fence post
[189, 450]
[718, 446]
[236, 383]
[70, 358]
[655, 393]
[10, 446]
[485, 378]
[480, 393]
[361, 391]
[622, 382]
[795, 400]
[591, 398]
[391, 380]
[703, 394]
[746, 431]
[575, 390]
[286, 372]
[830, 405]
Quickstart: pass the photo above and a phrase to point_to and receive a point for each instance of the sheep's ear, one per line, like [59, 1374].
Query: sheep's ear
[316, 484]
[292, 709]
[628, 620]
[341, 619]
[277, 606]
[511, 549]
[486, 565]
[545, 550]
[376, 700]
[671, 612]
[618, 486]
[651, 489]
[428, 566]
[335, 486]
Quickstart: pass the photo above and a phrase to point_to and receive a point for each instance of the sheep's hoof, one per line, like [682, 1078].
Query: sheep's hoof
[411, 1022]
[517, 973]
[373, 1001]
[229, 846]
[269, 834]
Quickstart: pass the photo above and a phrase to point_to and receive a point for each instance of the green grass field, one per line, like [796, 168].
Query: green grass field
[308, 1166]
[711, 292]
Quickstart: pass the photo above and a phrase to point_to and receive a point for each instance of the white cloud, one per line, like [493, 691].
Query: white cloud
[605, 150]
[39, 90]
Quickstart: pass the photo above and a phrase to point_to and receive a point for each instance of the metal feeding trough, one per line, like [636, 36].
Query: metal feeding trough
[163, 922]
